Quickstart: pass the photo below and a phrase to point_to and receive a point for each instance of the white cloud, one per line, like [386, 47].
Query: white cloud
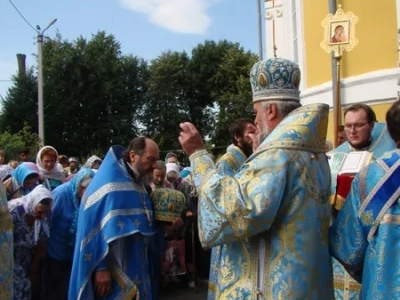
[184, 16]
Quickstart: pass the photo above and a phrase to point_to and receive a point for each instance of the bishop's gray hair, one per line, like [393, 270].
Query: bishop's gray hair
[284, 107]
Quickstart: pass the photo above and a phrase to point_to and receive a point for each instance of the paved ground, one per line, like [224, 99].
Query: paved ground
[180, 292]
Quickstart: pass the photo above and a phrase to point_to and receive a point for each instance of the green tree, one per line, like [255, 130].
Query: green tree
[93, 94]
[234, 97]
[167, 101]
[183, 88]
[204, 64]
[24, 139]
[20, 104]
[221, 79]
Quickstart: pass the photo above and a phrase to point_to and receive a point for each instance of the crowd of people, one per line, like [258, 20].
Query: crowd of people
[273, 218]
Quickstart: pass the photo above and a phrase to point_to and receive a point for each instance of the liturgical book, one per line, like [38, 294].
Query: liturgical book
[354, 162]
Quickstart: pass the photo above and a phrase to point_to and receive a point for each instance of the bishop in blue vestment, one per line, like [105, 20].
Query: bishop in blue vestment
[271, 219]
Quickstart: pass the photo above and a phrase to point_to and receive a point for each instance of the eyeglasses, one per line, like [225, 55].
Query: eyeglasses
[356, 127]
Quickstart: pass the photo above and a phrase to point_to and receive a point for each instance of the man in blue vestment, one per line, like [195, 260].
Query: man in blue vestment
[116, 228]
[271, 219]
[365, 236]
[363, 134]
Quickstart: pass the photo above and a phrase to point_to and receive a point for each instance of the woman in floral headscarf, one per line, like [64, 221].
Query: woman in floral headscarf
[50, 175]
[23, 180]
[93, 162]
[63, 225]
[29, 215]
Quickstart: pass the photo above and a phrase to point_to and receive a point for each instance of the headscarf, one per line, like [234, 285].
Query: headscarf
[19, 175]
[91, 160]
[28, 203]
[74, 183]
[172, 167]
[55, 172]
[185, 172]
[60, 167]
[5, 172]
[73, 159]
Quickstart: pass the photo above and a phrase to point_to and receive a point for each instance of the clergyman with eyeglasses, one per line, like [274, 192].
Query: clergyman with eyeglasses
[363, 133]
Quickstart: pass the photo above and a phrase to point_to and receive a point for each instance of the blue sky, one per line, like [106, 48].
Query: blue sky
[143, 27]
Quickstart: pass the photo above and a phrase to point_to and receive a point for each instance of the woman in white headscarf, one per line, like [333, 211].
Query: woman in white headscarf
[93, 162]
[29, 215]
[50, 175]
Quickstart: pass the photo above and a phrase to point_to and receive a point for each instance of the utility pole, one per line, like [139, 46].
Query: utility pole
[40, 39]
[260, 35]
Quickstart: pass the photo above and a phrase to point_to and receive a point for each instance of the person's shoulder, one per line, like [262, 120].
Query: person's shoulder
[272, 154]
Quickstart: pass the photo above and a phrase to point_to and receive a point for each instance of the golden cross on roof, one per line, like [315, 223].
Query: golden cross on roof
[273, 32]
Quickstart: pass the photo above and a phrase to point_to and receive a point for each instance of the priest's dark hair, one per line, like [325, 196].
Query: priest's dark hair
[371, 116]
[238, 127]
[138, 145]
[393, 122]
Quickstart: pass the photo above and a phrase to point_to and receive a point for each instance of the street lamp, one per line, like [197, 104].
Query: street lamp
[40, 38]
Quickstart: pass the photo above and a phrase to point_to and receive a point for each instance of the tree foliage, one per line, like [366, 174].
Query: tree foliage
[23, 140]
[234, 97]
[20, 104]
[167, 98]
[95, 96]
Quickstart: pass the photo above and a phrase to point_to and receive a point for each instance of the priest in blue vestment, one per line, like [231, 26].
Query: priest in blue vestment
[116, 228]
[363, 134]
[365, 236]
[271, 218]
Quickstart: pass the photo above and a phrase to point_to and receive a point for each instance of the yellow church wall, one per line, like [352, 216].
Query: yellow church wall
[317, 62]
[379, 109]
[376, 32]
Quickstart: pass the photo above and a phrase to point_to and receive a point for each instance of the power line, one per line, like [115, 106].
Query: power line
[5, 80]
[22, 16]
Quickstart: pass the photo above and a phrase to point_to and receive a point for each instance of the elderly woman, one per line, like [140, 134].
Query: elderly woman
[22, 181]
[50, 175]
[93, 162]
[30, 230]
[63, 225]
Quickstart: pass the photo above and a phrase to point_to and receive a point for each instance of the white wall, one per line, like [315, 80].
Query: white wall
[284, 20]
[374, 87]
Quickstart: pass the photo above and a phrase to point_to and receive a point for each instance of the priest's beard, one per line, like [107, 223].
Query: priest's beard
[247, 148]
[142, 177]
